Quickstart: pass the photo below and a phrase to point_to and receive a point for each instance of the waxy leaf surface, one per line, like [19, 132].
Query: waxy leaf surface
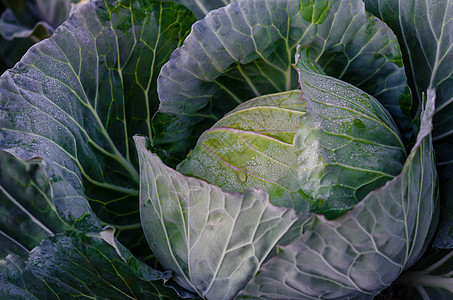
[214, 241]
[26, 209]
[77, 98]
[425, 33]
[220, 243]
[347, 144]
[81, 265]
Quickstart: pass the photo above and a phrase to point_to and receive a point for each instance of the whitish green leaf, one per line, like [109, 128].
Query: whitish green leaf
[247, 48]
[27, 212]
[78, 265]
[77, 98]
[214, 241]
[425, 31]
[364, 251]
[347, 144]
[252, 147]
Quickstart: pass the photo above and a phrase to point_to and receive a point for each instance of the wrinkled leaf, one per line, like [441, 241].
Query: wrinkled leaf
[252, 147]
[77, 98]
[246, 50]
[78, 265]
[365, 250]
[27, 212]
[214, 241]
[425, 31]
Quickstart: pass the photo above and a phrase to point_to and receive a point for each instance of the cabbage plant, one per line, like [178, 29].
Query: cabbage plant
[283, 149]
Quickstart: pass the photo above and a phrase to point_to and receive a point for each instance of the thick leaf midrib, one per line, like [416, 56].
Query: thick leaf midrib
[23, 209]
[129, 191]
[129, 166]
[120, 158]
[89, 139]
[409, 250]
[14, 241]
[224, 252]
[438, 41]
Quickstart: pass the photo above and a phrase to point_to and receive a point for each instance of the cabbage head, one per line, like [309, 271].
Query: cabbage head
[304, 182]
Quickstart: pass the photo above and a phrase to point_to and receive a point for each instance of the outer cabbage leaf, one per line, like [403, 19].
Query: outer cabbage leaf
[247, 48]
[365, 250]
[76, 99]
[425, 31]
[27, 212]
[78, 265]
[214, 241]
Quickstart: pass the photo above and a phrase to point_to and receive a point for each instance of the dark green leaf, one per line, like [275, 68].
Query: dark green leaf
[77, 98]
[27, 212]
[23, 18]
[246, 50]
[12, 51]
[77, 265]
[425, 31]
[444, 234]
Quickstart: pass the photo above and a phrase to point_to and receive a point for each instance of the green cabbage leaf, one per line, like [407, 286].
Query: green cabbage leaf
[75, 100]
[425, 31]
